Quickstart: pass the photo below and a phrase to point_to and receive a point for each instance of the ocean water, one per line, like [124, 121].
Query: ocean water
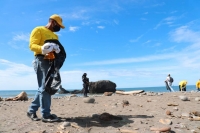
[159, 89]
[31, 93]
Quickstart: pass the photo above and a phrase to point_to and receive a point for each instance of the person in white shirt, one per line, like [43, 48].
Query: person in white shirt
[169, 81]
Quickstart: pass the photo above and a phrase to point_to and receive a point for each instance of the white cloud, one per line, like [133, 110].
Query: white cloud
[73, 28]
[156, 45]
[158, 4]
[184, 34]
[148, 41]
[101, 27]
[14, 69]
[116, 22]
[173, 12]
[115, 7]
[86, 23]
[168, 49]
[74, 54]
[16, 76]
[135, 40]
[21, 37]
[84, 49]
[171, 18]
[131, 60]
[144, 19]
[97, 22]
[77, 14]
[166, 21]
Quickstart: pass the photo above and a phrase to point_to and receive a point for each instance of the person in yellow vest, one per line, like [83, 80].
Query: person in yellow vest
[182, 85]
[198, 85]
[43, 55]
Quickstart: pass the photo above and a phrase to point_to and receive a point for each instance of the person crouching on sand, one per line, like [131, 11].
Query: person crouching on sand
[182, 85]
[198, 85]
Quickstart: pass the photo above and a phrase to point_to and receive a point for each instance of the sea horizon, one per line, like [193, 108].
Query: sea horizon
[31, 93]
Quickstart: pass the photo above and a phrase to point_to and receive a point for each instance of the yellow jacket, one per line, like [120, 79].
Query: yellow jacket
[37, 38]
[198, 84]
[183, 83]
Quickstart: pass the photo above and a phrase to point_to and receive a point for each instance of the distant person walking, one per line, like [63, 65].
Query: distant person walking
[169, 80]
[198, 85]
[182, 85]
[85, 84]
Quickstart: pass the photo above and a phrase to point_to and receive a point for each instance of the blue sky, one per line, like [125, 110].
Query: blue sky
[134, 43]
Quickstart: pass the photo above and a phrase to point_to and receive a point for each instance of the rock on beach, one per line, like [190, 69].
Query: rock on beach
[88, 100]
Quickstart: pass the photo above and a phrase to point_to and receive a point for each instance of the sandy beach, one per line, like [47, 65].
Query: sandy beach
[139, 113]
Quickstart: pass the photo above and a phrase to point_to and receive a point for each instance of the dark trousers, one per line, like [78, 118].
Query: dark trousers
[85, 90]
[184, 89]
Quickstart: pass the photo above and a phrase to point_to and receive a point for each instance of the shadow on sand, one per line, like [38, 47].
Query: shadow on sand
[95, 121]
[87, 122]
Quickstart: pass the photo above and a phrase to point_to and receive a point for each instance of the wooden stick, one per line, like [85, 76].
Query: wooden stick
[127, 131]
[163, 129]
[73, 125]
[194, 119]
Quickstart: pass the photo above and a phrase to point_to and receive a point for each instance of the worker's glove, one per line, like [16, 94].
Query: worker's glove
[46, 48]
[56, 48]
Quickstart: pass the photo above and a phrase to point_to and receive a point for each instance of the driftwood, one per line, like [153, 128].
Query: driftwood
[22, 96]
[127, 131]
[196, 113]
[129, 92]
[194, 119]
[74, 125]
[43, 131]
[161, 129]
[172, 104]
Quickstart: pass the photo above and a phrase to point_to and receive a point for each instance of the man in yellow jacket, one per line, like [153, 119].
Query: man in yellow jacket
[198, 85]
[43, 53]
[182, 85]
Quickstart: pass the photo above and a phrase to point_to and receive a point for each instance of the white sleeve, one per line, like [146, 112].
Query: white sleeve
[168, 79]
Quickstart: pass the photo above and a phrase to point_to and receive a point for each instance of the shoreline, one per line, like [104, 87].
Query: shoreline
[31, 93]
[57, 95]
